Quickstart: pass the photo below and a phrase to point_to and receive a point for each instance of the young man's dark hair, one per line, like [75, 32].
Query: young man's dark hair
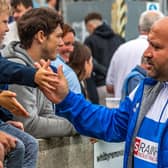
[48, 20]
[92, 16]
[26, 3]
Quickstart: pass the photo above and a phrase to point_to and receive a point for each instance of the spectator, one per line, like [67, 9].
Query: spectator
[140, 120]
[103, 42]
[134, 78]
[39, 39]
[80, 61]
[19, 7]
[129, 54]
[64, 50]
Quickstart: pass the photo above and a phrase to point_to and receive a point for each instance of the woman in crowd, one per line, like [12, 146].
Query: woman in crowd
[81, 62]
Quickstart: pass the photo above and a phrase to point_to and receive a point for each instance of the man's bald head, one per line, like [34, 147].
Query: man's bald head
[157, 53]
[161, 28]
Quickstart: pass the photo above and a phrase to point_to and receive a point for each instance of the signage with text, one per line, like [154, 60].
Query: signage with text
[108, 155]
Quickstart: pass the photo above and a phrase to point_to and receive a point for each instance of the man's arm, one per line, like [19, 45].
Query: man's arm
[94, 120]
[99, 67]
[16, 73]
[89, 119]
[20, 74]
[110, 77]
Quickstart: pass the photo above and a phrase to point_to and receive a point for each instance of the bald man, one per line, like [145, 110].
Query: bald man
[141, 119]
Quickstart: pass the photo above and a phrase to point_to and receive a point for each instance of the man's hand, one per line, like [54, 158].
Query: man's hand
[8, 141]
[93, 140]
[61, 88]
[16, 124]
[9, 102]
[2, 155]
[110, 89]
[44, 75]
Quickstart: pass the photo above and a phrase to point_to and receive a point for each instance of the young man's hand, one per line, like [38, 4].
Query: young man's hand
[60, 85]
[9, 102]
[44, 75]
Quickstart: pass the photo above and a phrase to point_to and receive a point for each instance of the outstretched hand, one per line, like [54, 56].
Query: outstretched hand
[61, 88]
[44, 75]
[9, 102]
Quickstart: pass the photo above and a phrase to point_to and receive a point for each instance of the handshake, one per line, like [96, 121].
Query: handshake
[53, 85]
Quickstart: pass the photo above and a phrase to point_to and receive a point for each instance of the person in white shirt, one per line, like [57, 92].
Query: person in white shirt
[129, 54]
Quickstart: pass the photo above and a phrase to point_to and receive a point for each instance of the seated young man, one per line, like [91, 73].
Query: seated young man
[40, 32]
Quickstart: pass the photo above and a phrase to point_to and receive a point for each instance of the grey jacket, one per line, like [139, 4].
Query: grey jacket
[42, 122]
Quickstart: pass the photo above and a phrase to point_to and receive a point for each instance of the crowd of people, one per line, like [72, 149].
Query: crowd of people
[49, 82]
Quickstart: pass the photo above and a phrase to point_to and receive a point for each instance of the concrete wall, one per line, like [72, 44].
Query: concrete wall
[67, 152]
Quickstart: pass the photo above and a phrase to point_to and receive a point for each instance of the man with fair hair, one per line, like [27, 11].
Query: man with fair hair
[19, 7]
[129, 54]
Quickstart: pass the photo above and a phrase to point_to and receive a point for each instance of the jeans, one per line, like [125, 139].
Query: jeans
[26, 151]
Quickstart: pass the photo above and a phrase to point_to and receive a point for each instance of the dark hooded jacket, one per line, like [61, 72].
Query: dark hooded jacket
[103, 43]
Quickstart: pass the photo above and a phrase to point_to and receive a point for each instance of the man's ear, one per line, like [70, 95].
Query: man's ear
[40, 36]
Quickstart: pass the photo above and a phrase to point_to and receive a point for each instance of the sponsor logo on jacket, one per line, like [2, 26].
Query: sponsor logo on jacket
[146, 150]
